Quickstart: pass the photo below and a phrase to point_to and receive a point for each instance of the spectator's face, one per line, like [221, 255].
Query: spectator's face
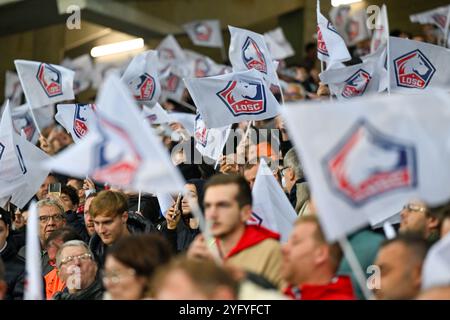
[88, 221]
[413, 218]
[53, 247]
[178, 286]
[67, 203]
[301, 254]
[4, 232]
[43, 190]
[110, 228]
[250, 175]
[121, 281]
[222, 210]
[400, 278]
[50, 219]
[184, 203]
[79, 273]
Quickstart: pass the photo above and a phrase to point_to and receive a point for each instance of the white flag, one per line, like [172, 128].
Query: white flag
[437, 16]
[356, 27]
[248, 50]
[330, 45]
[271, 207]
[13, 89]
[142, 78]
[367, 157]
[120, 149]
[83, 68]
[23, 121]
[155, 114]
[360, 79]
[210, 142]
[45, 83]
[279, 47]
[172, 85]
[201, 66]
[232, 98]
[169, 52]
[77, 119]
[165, 201]
[20, 172]
[436, 267]
[205, 33]
[380, 34]
[187, 120]
[338, 16]
[416, 66]
[33, 288]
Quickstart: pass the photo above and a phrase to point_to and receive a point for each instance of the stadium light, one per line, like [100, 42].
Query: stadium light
[337, 3]
[117, 47]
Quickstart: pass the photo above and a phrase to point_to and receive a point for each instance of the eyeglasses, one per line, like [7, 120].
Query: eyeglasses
[414, 208]
[115, 276]
[282, 170]
[82, 257]
[55, 217]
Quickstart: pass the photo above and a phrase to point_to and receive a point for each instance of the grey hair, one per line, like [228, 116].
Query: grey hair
[291, 160]
[50, 203]
[71, 243]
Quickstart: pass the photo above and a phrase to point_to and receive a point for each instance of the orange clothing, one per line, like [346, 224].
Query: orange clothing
[53, 284]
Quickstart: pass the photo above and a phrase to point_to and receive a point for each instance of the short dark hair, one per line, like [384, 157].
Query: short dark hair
[413, 241]
[244, 194]
[72, 193]
[2, 270]
[64, 233]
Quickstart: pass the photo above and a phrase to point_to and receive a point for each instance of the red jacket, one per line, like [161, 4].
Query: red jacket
[340, 288]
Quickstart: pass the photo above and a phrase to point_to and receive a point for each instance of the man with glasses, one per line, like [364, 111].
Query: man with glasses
[78, 269]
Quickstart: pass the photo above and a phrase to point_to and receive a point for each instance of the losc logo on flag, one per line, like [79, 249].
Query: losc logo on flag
[255, 220]
[321, 46]
[357, 84]
[202, 31]
[252, 56]
[171, 83]
[413, 70]
[440, 19]
[21, 162]
[201, 133]
[244, 97]
[166, 54]
[367, 164]
[27, 125]
[80, 120]
[143, 87]
[50, 79]
[201, 68]
[2, 148]
[115, 164]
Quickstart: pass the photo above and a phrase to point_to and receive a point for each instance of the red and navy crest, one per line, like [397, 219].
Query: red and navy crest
[201, 132]
[80, 127]
[28, 127]
[201, 68]
[367, 164]
[23, 168]
[440, 20]
[171, 83]
[2, 149]
[255, 220]
[166, 54]
[321, 46]
[143, 87]
[357, 84]
[244, 97]
[50, 79]
[202, 31]
[413, 70]
[114, 164]
[253, 57]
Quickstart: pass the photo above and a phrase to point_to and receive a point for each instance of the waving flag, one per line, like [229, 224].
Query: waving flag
[20, 172]
[202, 66]
[367, 157]
[13, 89]
[155, 114]
[248, 50]
[339, 16]
[77, 119]
[210, 142]
[172, 84]
[23, 121]
[357, 80]
[231, 98]
[330, 45]
[270, 204]
[169, 52]
[120, 149]
[205, 33]
[279, 47]
[141, 77]
[439, 17]
[418, 66]
[380, 35]
[83, 68]
[356, 27]
[436, 267]
[45, 83]
[33, 286]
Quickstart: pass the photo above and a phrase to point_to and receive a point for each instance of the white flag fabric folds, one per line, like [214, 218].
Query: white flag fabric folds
[202, 66]
[231, 98]
[45, 83]
[248, 50]
[436, 267]
[33, 286]
[271, 207]
[13, 89]
[77, 119]
[210, 142]
[83, 68]
[360, 79]
[278, 45]
[356, 27]
[155, 114]
[23, 122]
[169, 52]
[205, 33]
[142, 78]
[20, 171]
[380, 34]
[172, 84]
[367, 157]
[437, 16]
[330, 45]
[338, 16]
[121, 148]
[417, 66]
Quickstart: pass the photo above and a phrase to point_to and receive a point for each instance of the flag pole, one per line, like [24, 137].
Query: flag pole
[389, 230]
[447, 25]
[355, 267]
[139, 201]
[388, 51]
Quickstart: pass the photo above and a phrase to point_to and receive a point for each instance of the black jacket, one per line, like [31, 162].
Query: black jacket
[93, 292]
[180, 238]
[15, 272]
[76, 221]
[135, 223]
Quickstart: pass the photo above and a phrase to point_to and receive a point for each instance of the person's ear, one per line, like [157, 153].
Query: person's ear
[290, 174]
[246, 212]
[432, 222]
[322, 253]
[124, 217]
